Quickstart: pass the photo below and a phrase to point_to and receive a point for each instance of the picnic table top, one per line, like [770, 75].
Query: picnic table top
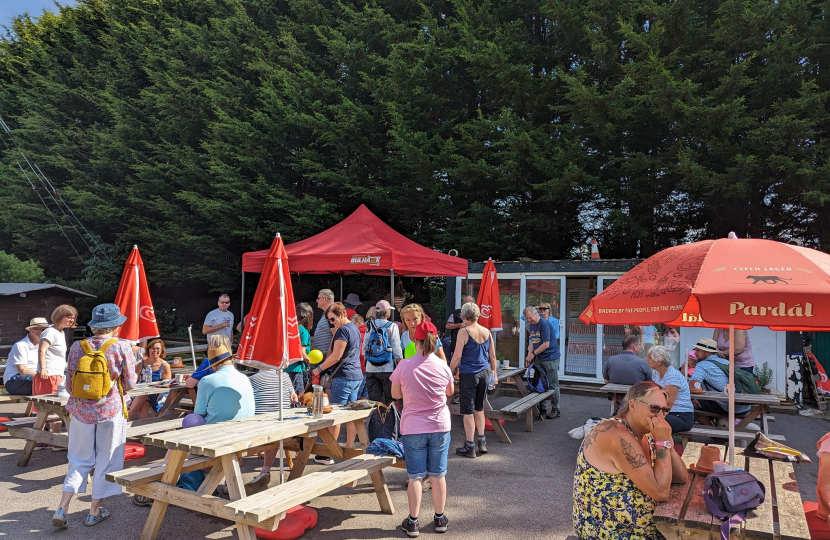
[216, 440]
[751, 399]
[685, 513]
[143, 390]
[505, 374]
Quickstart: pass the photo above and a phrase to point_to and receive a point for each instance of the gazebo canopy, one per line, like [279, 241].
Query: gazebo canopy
[362, 244]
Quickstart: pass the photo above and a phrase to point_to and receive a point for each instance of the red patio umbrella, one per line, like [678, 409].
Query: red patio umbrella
[133, 298]
[488, 299]
[730, 283]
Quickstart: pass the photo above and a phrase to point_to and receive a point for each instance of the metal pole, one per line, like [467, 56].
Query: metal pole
[242, 303]
[392, 293]
[341, 286]
[192, 349]
[731, 394]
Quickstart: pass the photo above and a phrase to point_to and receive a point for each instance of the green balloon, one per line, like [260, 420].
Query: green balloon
[410, 351]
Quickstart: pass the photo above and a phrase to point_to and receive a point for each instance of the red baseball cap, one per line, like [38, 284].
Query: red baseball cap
[425, 328]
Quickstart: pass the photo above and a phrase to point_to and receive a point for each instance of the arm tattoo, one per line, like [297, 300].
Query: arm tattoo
[601, 428]
[632, 455]
[661, 453]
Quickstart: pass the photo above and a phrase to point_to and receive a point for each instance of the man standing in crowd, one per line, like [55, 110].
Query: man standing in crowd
[454, 324]
[351, 302]
[220, 320]
[627, 367]
[21, 365]
[322, 332]
[543, 351]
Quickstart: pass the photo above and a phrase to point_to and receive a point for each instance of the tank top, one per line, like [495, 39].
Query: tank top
[745, 359]
[475, 357]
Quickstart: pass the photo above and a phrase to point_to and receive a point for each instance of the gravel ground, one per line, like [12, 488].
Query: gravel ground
[525, 486]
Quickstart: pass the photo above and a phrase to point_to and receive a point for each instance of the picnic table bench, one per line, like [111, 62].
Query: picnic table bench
[52, 408]
[685, 514]
[760, 404]
[221, 446]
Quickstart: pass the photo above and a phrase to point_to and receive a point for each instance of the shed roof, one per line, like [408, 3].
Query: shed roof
[8, 289]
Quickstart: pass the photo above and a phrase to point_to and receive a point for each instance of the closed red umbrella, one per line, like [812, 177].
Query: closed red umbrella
[488, 299]
[133, 298]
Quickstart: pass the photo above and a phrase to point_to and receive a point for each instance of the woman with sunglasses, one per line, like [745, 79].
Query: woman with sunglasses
[625, 466]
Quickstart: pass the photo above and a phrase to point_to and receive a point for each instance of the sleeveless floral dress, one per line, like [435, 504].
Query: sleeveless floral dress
[610, 506]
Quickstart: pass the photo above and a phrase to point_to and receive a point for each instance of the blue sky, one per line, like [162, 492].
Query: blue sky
[10, 8]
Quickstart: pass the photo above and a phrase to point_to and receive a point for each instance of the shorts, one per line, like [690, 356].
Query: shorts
[344, 391]
[426, 454]
[363, 392]
[41, 387]
[473, 390]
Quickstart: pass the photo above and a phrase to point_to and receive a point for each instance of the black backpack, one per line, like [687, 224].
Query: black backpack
[384, 422]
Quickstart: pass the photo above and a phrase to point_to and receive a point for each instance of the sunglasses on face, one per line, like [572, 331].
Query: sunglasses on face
[655, 409]
[542, 309]
[224, 302]
[332, 319]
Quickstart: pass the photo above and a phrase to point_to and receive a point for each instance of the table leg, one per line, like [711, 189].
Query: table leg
[751, 415]
[382, 491]
[497, 427]
[170, 477]
[212, 480]
[170, 403]
[302, 457]
[529, 418]
[236, 491]
[520, 385]
[362, 434]
[764, 421]
[335, 449]
[26, 455]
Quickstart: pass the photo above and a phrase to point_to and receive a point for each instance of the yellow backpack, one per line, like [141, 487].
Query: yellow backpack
[92, 379]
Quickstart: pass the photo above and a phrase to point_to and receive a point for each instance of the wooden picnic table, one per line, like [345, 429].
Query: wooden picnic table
[685, 514]
[52, 407]
[221, 446]
[760, 404]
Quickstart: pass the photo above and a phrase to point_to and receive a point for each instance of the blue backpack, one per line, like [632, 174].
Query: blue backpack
[537, 379]
[379, 350]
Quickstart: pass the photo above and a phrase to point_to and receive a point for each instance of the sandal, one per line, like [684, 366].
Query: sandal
[59, 519]
[141, 500]
[95, 520]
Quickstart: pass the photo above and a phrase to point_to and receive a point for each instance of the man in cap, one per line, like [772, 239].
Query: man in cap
[712, 378]
[21, 365]
[225, 395]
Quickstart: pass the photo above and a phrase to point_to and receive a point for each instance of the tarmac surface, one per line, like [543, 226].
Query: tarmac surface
[519, 490]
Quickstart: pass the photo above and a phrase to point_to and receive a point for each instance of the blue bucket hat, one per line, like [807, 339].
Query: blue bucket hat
[106, 316]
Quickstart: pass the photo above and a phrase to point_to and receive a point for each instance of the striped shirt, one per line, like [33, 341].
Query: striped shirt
[267, 391]
[322, 336]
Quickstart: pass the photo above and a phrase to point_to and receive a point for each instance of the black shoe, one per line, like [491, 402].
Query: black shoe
[481, 446]
[553, 415]
[410, 527]
[466, 450]
[440, 523]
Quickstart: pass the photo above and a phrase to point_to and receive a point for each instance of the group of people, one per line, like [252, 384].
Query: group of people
[707, 369]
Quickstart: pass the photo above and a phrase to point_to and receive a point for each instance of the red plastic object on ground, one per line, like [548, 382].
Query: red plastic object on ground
[4, 419]
[133, 450]
[297, 521]
[819, 529]
[488, 426]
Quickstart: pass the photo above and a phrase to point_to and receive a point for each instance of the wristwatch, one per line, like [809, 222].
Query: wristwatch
[668, 444]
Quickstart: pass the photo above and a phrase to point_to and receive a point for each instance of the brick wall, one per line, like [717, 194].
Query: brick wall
[16, 312]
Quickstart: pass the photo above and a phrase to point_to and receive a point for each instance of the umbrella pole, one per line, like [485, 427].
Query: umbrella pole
[282, 450]
[242, 303]
[732, 395]
[192, 349]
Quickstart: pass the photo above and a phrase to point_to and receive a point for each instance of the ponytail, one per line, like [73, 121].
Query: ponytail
[428, 344]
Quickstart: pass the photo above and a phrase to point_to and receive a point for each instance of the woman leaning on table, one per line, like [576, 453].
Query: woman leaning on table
[624, 467]
[98, 430]
[678, 397]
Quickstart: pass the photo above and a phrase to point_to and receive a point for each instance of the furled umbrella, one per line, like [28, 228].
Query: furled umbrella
[728, 283]
[133, 298]
[271, 337]
[488, 299]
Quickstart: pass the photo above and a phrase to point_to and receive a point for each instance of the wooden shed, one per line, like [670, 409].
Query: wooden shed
[20, 302]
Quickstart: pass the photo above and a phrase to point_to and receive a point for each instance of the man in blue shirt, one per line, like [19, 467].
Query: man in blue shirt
[543, 350]
[713, 378]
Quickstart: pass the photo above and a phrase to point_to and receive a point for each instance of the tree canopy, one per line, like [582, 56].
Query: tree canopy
[199, 128]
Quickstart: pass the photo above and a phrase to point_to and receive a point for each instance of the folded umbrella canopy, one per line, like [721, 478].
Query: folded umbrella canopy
[133, 298]
[727, 283]
[488, 299]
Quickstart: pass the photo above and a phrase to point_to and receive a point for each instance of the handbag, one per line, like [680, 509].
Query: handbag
[732, 492]
[326, 378]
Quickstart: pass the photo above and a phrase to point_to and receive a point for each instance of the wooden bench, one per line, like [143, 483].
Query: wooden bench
[275, 501]
[716, 433]
[9, 398]
[525, 405]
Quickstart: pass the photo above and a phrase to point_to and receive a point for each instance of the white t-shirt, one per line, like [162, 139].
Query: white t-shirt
[56, 353]
[23, 353]
[217, 317]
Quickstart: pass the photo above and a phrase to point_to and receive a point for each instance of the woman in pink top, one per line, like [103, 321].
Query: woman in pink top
[424, 381]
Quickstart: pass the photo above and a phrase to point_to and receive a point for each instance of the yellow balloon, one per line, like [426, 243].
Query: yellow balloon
[315, 356]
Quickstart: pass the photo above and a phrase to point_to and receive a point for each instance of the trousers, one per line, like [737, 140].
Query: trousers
[99, 447]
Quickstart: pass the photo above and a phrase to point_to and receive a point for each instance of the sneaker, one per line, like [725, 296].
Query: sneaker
[410, 527]
[259, 483]
[59, 519]
[440, 523]
[141, 500]
[481, 446]
[323, 460]
[553, 415]
[466, 450]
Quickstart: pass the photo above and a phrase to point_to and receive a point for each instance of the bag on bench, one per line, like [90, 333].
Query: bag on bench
[732, 492]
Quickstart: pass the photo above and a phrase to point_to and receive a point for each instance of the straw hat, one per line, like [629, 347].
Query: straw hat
[217, 355]
[708, 455]
[37, 322]
[707, 344]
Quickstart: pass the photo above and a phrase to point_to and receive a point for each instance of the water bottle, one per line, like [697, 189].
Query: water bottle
[146, 374]
[317, 402]
[491, 383]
